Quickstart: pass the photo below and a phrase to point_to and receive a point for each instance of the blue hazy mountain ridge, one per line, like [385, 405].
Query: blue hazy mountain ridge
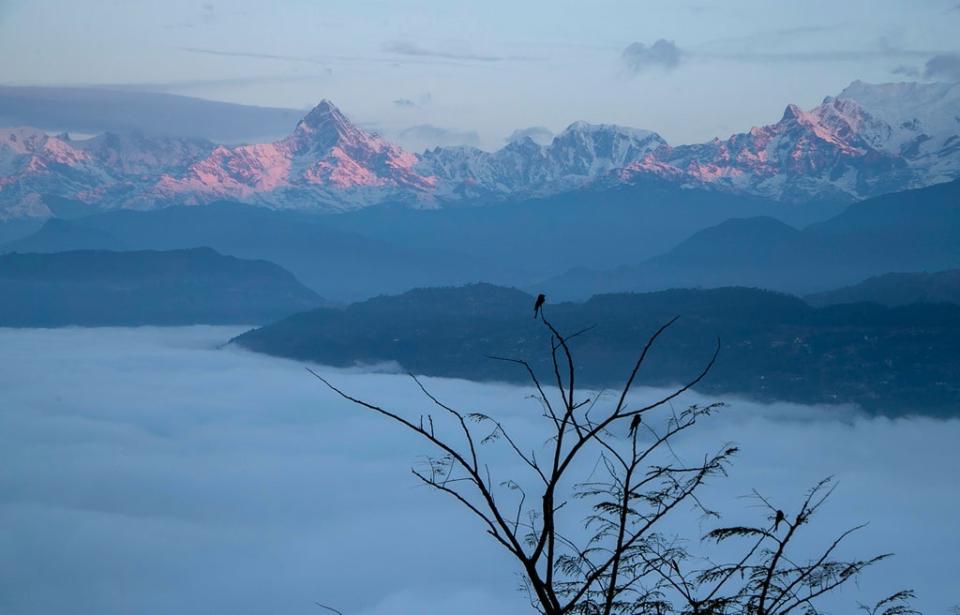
[593, 226]
[910, 231]
[59, 235]
[389, 249]
[570, 240]
[106, 288]
[772, 346]
[12, 230]
[894, 289]
[95, 110]
[339, 265]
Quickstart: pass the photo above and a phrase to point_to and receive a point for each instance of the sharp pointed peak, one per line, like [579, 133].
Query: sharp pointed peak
[324, 111]
[326, 105]
[325, 124]
[792, 112]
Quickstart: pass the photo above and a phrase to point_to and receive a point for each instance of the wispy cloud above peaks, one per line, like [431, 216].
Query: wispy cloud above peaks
[408, 48]
[662, 54]
[458, 52]
[426, 136]
[253, 55]
[939, 67]
[905, 70]
[944, 66]
[539, 134]
[408, 103]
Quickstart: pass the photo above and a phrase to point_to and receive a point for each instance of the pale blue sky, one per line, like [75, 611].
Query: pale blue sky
[488, 66]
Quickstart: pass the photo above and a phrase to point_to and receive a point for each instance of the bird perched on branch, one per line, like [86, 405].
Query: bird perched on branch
[541, 299]
[778, 520]
[634, 424]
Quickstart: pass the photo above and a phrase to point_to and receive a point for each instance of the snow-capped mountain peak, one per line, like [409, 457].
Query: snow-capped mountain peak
[582, 153]
[326, 161]
[324, 126]
[325, 111]
[584, 131]
[898, 102]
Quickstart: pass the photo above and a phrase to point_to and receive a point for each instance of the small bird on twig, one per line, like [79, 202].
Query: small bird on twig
[778, 520]
[541, 299]
[634, 424]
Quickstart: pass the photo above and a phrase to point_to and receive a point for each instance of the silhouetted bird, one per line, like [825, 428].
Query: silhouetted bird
[541, 298]
[778, 520]
[634, 424]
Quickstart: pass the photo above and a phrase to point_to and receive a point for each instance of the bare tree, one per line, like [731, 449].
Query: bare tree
[591, 542]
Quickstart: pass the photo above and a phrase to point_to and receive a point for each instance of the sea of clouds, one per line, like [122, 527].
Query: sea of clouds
[151, 471]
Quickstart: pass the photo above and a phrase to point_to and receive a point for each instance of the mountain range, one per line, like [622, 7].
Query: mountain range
[909, 231]
[866, 141]
[645, 236]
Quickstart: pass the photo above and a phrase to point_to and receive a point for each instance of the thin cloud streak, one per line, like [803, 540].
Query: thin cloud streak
[814, 56]
[324, 59]
[407, 48]
[426, 136]
[247, 54]
[174, 86]
[943, 66]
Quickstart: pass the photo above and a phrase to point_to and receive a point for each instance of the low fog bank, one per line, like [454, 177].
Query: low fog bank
[149, 471]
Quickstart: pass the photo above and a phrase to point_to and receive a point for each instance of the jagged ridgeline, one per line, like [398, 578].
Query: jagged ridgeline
[868, 140]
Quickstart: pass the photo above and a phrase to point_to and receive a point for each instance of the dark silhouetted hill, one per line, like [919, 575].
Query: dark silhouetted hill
[99, 288]
[773, 346]
[897, 289]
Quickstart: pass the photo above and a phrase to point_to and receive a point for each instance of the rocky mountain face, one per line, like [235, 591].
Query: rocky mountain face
[106, 170]
[580, 154]
[327, 161]
[868, 140]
